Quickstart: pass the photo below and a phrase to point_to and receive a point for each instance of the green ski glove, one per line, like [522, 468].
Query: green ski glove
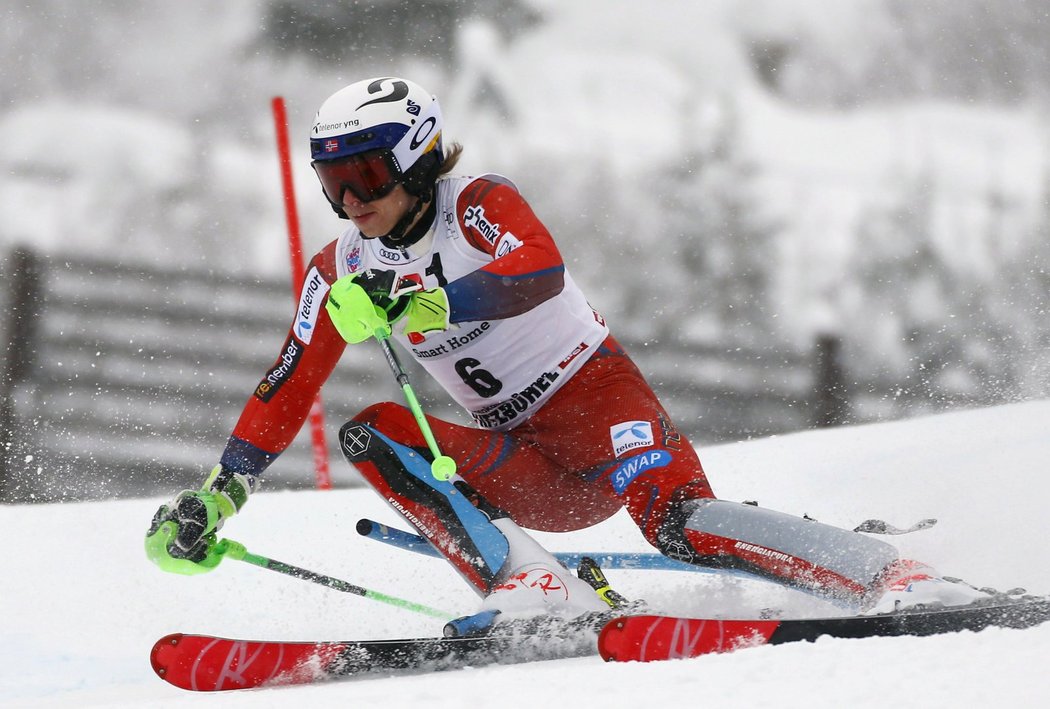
[385, 288]
[181, 539]
[427, 311]
[353, 313]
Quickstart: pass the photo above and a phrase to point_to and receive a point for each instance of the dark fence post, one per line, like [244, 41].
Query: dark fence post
[832, 396]
[24, 284]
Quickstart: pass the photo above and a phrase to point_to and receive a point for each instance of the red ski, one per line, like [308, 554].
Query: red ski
[205, 663]
[645, 638]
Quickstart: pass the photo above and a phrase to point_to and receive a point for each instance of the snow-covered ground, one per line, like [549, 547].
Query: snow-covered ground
[80, 606]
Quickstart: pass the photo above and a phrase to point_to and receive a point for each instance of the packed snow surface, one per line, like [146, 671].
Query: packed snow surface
[81, 606]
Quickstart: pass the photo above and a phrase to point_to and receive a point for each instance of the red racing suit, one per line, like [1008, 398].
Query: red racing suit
[567, 430]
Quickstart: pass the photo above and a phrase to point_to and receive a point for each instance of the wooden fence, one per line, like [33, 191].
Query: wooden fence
[126, 381]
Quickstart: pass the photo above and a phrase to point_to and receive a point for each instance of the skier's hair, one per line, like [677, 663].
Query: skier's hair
[451, 158]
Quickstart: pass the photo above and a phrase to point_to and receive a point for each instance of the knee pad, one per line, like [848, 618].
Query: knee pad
[393, 419]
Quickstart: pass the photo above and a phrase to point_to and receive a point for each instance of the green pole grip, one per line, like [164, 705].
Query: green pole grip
[234, 550]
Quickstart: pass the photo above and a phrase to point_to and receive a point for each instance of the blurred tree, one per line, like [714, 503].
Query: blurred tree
[945, 333]
[716, 242]
[768, 58]
[972, 50]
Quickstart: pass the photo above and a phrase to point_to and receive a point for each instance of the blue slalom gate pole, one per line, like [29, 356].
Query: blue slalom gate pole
[641, 561]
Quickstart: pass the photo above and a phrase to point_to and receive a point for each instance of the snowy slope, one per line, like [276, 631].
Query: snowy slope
[80, 605]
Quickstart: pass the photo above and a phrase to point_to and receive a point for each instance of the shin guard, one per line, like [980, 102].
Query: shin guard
[449, 514]
[790, 550]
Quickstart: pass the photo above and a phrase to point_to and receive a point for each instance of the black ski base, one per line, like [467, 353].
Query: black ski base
[440, 654]
[1017, 613]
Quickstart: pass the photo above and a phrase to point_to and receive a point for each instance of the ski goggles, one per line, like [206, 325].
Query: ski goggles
[369, 176]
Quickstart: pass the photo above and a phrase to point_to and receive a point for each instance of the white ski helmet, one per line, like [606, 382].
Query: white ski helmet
[373, 135]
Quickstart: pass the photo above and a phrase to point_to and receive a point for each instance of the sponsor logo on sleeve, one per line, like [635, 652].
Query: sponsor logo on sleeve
[314, 290]
[282, 370]
[474, 218]
[508, 243]
[630, 435]
[634, 466]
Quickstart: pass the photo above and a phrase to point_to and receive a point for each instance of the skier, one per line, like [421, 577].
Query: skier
[566, 429]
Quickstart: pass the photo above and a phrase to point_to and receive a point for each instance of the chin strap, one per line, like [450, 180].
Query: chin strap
[401, 236]
[421, 182]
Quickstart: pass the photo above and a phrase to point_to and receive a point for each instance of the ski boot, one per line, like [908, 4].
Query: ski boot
[912, 585]
[543, 598]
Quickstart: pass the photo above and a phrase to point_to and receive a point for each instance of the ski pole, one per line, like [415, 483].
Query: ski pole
[364, 320]
[443, 466]
[630, 561]
[237, 551]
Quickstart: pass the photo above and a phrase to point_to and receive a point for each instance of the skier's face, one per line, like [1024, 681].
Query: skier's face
[378, 217]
